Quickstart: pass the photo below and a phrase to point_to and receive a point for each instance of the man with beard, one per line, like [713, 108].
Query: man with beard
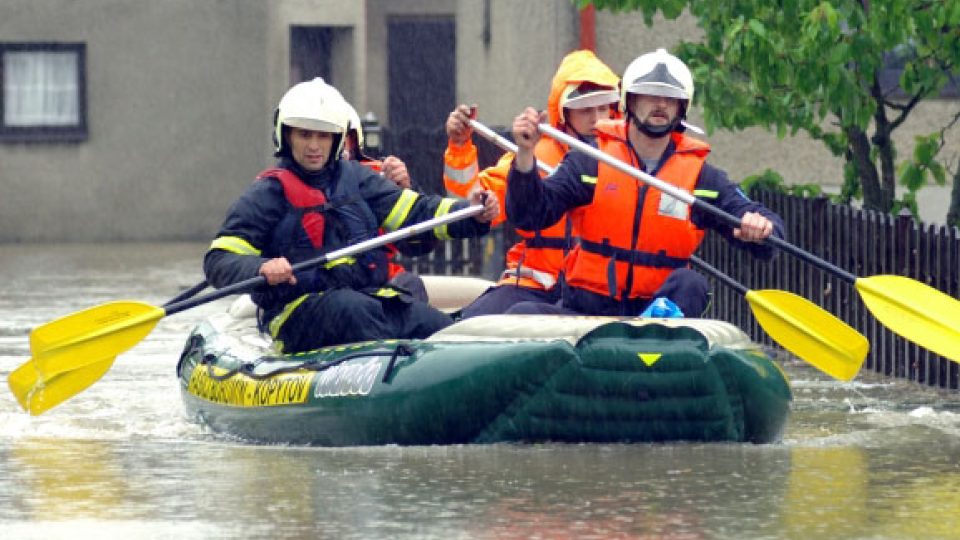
[635, 241]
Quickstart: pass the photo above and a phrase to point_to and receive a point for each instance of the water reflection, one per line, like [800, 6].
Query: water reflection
[870, 459]
[58, 489]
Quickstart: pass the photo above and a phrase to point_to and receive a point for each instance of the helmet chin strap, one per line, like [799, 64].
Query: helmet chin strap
[652, 131]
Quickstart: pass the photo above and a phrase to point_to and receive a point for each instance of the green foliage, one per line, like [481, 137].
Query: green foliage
[770, 180]
[813, 66]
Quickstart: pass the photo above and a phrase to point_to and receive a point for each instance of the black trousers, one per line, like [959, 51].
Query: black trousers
[346, 316]
[499, 298]
[686, 288]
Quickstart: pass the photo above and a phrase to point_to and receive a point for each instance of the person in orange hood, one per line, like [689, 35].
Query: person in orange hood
[581, 93]
[635, 241]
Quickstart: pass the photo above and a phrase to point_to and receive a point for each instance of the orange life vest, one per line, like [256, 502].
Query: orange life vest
[536, 261]
[632, 236]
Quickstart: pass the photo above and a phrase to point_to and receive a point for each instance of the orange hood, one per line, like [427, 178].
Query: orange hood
[575, 68]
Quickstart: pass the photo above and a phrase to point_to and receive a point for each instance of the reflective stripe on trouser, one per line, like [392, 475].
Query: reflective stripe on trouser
[348, 316]
[545, 279]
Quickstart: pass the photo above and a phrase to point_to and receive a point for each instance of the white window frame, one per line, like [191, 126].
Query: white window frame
[43, 92]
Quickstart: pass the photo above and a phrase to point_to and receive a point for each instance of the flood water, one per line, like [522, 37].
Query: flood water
[875, 458]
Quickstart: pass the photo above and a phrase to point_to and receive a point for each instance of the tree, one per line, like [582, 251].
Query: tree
[815, 66]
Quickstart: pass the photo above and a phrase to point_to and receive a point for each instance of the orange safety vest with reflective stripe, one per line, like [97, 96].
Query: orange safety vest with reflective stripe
[537, 260]
[633, 236]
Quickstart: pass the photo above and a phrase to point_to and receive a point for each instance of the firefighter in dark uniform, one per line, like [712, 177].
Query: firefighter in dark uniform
[311, 203]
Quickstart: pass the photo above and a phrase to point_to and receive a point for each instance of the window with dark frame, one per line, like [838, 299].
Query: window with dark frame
[44, 96]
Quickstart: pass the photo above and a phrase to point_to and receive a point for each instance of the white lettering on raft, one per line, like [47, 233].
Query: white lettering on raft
[348, 379]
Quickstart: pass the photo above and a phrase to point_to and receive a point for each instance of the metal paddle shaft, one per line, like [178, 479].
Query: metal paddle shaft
[74, 351]
[505, 144]
[686, 197]
[382, 240]
[909, 308]
[798, 325]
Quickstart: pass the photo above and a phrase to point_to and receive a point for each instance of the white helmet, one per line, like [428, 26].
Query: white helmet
[313, 105]
[657, 74]
[355, 125]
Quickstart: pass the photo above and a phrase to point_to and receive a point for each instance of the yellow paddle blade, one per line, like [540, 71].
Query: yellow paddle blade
[915, 311]
[810, 332]
[37, 396]
[90, 336]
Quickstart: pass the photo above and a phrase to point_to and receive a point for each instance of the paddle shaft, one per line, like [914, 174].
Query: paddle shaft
[715, 272]
[486, 132]
[189, 293]
[399, 234]
[505, 144]
[688, 198]
[798, 325]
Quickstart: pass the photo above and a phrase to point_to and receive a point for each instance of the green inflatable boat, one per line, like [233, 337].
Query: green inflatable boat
[488, 379]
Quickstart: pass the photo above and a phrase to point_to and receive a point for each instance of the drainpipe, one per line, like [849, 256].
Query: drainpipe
[588, 30]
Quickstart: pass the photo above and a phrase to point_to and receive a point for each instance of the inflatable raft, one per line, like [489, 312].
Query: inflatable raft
[488, 379]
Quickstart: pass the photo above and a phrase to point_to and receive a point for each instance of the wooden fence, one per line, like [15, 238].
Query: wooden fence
[864, 243]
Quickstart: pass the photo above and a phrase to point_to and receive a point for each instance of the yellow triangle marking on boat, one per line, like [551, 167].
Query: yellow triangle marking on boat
[649, 358]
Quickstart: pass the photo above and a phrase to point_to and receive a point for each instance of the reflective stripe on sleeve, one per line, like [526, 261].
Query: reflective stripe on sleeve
[443, 209]
[386, 292]
[587, 179]
[461, 176]
[338, 262]
[234, 244]
[400, 210]
[706, 193]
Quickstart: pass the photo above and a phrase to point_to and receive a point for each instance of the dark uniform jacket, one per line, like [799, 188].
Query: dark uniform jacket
[263, 224]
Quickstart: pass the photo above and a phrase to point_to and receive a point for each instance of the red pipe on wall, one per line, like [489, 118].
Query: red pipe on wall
[588, 30]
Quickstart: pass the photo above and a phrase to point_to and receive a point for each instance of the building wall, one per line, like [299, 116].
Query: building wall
[378, 14]
[520, 43]
[347, 56]
[181, 93]
[513, 67]
[173, 90]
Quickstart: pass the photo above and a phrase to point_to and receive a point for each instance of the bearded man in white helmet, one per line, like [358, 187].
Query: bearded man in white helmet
[635, 241]
[313, 202]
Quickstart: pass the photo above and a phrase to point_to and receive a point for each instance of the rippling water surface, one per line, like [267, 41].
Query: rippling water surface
[875, 458]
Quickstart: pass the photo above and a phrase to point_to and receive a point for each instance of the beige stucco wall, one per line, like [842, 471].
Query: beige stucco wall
[348, 55]
[527, 42]
[169, 112]
[180, 96]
